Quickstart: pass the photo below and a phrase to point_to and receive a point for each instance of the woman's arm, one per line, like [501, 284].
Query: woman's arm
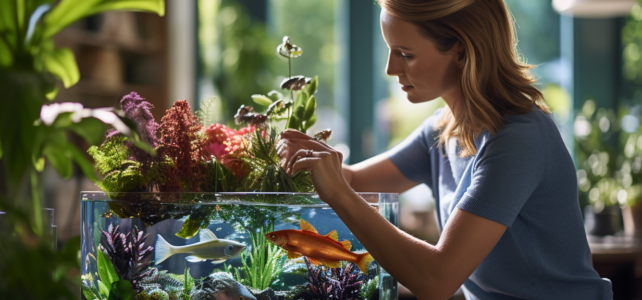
[377, 174]
[430, 272]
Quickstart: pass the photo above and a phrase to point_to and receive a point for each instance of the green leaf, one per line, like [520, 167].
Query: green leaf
[310, 122]
[53, 93]
[70, 11]
[310, 108]
[39, 164]
[294, 123]
[58, 159]
[301, 99]
[6, 56]
[91, 129]
[104, 291]
[261, 100]
[88, 293]
[7, 16]
[275, 95]
[121, 290]
[82, 162]
[106, 269]
[195, 222]
[311, 88]
[299, 111]
[62, 63]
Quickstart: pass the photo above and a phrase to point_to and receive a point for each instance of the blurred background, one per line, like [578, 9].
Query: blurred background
[587, 53]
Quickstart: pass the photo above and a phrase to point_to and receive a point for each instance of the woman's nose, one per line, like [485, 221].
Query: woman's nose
[392, 67]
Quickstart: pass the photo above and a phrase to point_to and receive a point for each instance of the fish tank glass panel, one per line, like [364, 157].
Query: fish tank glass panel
[226, 246]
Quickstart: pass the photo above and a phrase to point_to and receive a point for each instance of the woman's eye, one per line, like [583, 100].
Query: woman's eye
[406, 56]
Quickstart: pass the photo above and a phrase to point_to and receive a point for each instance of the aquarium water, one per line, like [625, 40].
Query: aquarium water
[218, 246]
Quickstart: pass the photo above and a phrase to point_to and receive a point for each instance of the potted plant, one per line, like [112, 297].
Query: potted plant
[630, 172]
[595, 130]
[30, 66]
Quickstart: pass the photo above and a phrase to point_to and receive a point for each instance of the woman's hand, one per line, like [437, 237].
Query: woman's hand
[301, 152]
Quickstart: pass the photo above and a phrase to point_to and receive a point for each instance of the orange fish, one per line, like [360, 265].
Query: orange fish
[320, 249]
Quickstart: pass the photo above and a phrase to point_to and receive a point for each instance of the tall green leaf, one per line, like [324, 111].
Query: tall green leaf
[58, 159]
[62, 63]
[121, 290]
[70, 11]
[7, 16]
[106, 269]
[103, 289]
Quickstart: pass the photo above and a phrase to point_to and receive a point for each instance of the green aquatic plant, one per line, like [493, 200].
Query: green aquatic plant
[369, 288]
[110, 287]
[120, 173]
[188, 284]
[266, 173]
[263, 265]
[196, 221]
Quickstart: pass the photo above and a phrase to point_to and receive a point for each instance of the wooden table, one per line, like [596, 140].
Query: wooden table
[619, 258]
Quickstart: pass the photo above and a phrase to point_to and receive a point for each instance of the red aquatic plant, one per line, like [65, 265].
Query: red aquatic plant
[182, 141]
[228, 146]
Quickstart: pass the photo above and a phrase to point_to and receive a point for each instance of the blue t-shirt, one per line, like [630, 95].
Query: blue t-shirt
[522, 177]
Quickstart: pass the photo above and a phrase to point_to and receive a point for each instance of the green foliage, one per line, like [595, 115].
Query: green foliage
[632, 40]
[303, 115]
[263, 264]
[106, 269]
[247, 65]
[188, 284]
[220, 178]
[266, 174]
[110, 286]
[595, 133]
[369, 288]
[120, 173]
[27, 258]
[29, 66]
[196, 221]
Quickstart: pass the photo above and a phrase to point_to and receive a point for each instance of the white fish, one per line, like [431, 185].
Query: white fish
[209, 247]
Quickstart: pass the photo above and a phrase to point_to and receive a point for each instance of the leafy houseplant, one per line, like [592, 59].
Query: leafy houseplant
[595, 130]
[30, 66]
[630, 172]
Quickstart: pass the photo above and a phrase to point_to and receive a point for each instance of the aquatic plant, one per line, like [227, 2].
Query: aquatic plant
[267, 175]
[182, 141]
[128, 254]
[109, 286]
[188, 284]
[112, 158]
[331, 283]
[262, 265]
[369, 288]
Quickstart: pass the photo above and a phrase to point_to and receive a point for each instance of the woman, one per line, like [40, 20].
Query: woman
[503, 181]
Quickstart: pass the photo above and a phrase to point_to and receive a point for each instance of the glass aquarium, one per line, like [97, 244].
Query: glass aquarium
[226, 246]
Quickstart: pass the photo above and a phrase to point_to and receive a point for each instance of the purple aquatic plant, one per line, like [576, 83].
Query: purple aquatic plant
[341, 283]
[138, 110]
[128, 254]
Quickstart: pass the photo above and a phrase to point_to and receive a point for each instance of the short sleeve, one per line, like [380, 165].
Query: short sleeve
[507, 170]
[412, 155]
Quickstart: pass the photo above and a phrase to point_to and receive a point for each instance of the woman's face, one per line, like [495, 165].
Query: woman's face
[423, 72]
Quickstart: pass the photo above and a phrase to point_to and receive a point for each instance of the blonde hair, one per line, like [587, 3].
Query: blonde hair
[494, 81]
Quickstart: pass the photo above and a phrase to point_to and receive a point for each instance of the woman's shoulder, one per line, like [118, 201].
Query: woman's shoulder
[529, 132]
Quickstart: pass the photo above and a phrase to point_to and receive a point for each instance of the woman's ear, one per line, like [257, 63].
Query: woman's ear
[460, 52]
